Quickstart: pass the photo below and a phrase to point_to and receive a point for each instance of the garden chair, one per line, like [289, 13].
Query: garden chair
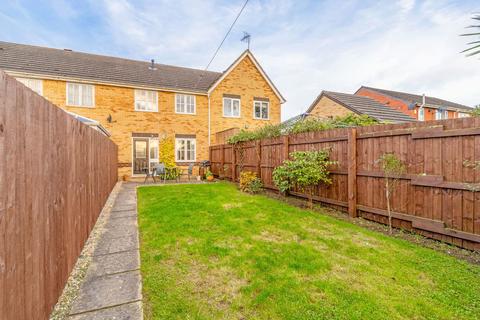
[190, 170]
[160, 171]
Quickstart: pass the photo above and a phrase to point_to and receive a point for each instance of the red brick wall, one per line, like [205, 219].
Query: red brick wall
[400, 105]
[388, 101]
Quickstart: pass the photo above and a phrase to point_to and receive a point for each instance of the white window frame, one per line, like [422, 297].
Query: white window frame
[81, 105]
[239, 107]
[136, 96]
[28, 82]
[177, 140]
[178, 95]
[261, 105]
[421, 114]
[153, 142]
[445, 114]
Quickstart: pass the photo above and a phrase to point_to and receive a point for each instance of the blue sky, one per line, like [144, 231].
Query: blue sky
[305, 46]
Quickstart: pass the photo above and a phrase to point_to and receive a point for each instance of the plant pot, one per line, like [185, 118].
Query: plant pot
[210, 178]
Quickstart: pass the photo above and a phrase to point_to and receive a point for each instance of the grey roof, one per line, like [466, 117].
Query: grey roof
[291, 121]
[418, 99]
[71, 64]
[364, 105]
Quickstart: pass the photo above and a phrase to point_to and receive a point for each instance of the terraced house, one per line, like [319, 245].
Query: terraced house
[141, 103]
[420, 107]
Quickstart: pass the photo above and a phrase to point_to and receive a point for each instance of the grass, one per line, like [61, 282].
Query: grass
[211, 252]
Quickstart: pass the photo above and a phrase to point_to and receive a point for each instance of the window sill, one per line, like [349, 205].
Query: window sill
[232, 117]
[84, 107]
[267, 119]
[186, 113]
[152, 111]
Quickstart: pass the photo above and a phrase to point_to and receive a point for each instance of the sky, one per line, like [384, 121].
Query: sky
[304, 46]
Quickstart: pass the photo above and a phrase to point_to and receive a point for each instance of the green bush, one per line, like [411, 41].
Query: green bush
[307, 125]
[476, 112]
[250, 183]
[306, 170]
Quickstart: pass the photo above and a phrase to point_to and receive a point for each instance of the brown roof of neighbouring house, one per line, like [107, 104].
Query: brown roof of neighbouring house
[418, 98]
[365, 106]
[79, 65]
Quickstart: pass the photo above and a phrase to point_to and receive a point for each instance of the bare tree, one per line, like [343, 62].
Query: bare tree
[392, 168]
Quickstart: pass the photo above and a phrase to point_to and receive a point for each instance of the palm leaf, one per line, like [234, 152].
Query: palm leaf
[471, 34]
[473, 53]
[474, 47]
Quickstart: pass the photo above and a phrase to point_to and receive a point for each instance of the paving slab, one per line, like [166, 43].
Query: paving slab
[127, 311]
[124, 207]
[108, 291]
[123, 214]
[108, 245]
[114, 263]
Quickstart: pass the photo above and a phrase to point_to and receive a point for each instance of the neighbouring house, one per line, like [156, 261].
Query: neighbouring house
[420, 107]
[142, 103]
[332, 104]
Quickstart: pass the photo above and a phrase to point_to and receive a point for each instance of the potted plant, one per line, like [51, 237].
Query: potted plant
[209, 175]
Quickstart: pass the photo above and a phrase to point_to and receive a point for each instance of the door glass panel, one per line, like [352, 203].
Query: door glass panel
[140, 149]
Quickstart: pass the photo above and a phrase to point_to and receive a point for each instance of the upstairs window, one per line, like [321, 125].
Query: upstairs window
[231, 107]
[34, 84]
[80, 95]
[261, 110]
[185, 103]
[146, 100]
[185, 149]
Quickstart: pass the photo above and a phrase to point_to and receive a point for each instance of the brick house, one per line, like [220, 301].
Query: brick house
[332, 104]
[141, 103]
[420, 107]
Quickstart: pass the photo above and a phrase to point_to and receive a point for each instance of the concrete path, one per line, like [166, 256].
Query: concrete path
[112, 288]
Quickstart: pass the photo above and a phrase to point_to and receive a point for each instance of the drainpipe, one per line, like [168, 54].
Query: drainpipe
[208, 119]
[422, 106]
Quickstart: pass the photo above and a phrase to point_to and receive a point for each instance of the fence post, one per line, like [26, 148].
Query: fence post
[234, 164]
[222, 162]
[352, 172]
[286, 143]
[258, 147]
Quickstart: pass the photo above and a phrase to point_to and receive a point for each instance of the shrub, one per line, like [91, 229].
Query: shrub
[166, 152]
[307, 125]
[250, 183]
[305, 171]
[476, 111]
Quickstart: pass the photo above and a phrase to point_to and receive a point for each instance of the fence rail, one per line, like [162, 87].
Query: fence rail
[55, 176]
[434, 197]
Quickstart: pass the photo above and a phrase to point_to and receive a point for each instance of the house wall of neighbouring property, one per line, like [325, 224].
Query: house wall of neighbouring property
[118, 102]
[327, 107]
[246, 81]
[400, 105]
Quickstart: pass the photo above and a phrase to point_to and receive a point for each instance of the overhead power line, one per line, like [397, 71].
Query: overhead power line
[226, 35]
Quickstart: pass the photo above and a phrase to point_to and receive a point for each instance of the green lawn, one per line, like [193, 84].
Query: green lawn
[211, 252]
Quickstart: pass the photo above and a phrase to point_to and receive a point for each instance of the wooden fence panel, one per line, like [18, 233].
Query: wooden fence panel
[55, 176]
[433, 197]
